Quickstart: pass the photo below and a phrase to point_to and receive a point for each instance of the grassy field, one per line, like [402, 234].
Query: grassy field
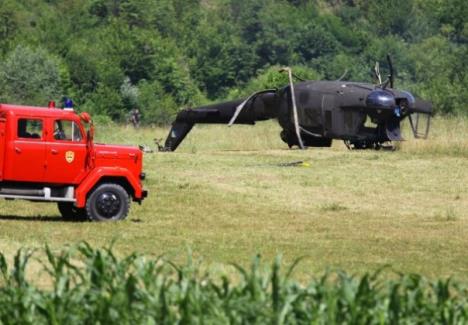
[229, 193]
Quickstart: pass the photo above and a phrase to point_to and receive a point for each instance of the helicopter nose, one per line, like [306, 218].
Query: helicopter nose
[380, 99]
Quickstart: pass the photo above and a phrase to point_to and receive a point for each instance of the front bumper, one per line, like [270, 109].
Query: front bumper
[144, 194]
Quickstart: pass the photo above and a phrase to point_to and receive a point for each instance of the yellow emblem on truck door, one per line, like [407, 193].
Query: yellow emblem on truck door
[69, 156]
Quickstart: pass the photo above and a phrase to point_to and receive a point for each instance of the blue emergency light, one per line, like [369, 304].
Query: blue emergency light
[68, 104]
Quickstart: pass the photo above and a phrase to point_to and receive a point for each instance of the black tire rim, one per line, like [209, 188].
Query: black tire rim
[108, 204]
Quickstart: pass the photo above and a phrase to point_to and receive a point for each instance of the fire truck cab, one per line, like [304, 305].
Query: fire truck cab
[48, 154]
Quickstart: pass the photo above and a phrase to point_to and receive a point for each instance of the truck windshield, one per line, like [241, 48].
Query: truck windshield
[67, 130]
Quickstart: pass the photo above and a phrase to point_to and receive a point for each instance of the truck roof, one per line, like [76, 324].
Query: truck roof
[35, 111]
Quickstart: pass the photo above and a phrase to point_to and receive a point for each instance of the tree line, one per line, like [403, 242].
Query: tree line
[112, 55]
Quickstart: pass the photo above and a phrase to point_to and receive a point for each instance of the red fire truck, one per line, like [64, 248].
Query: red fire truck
[48, 154]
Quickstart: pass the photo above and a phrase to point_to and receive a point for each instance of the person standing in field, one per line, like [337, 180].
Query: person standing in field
[135, 117]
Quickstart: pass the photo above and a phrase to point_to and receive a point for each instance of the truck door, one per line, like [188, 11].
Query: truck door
[25, 153]
[66, 153]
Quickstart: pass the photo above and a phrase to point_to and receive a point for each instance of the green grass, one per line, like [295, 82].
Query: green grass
[228, 194]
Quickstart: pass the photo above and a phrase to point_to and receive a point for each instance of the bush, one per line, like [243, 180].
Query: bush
[29, 76]
[273, 78]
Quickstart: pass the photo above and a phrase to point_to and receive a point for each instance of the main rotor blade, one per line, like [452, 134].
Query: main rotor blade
[295, 115]
[242, 105]
[391, 76]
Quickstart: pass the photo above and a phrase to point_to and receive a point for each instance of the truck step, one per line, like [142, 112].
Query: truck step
[35, 194]
[22, 191]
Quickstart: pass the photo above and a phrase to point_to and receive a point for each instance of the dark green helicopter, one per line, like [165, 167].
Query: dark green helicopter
[313, 113]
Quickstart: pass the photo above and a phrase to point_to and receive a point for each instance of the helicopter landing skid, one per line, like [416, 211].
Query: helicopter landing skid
[363, 145]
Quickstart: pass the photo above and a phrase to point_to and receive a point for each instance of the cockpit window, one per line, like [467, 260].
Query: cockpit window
[67, 131]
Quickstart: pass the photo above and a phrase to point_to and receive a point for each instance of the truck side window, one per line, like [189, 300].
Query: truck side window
[29, 128]
[67, 131]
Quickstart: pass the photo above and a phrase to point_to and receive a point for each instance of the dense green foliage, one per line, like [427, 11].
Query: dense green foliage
[110, 55]
[93, 286]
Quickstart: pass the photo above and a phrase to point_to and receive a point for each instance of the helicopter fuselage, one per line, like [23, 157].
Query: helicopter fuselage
[361, 114]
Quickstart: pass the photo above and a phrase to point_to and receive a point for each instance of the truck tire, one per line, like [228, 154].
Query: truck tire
[108, 202]
[70, 212]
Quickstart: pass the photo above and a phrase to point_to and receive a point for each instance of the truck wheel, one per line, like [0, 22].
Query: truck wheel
[108, 202]
[70, 212]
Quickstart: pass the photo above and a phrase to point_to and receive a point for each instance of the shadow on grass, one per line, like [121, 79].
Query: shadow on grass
[37, 219]
[49, 219]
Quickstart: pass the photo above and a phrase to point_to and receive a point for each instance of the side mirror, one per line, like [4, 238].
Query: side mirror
[85, 117]
[90, 133]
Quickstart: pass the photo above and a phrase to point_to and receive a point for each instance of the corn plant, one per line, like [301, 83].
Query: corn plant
[84, 285]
